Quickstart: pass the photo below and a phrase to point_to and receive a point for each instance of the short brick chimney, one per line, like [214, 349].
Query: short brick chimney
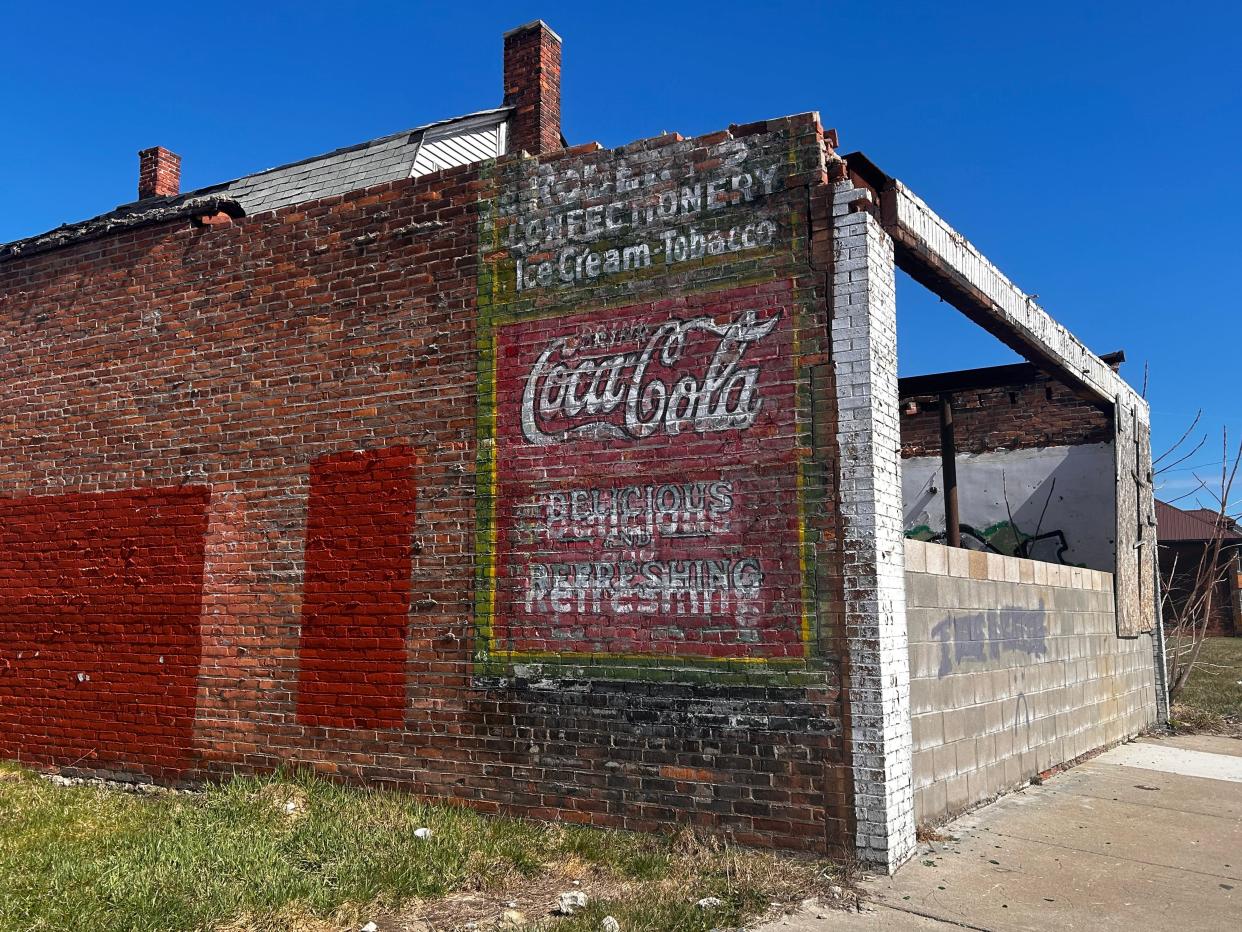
[159, 173]
[533, 88]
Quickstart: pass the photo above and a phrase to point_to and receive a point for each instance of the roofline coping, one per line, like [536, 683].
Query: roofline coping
[531, 25]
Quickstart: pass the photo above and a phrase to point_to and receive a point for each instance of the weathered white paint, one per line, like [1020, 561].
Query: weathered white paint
[634, 515]
[1011, 307]
[627, 522]
[635, 197]
[642, 215]
[729, 588]
[864, 353]
[1074, 482]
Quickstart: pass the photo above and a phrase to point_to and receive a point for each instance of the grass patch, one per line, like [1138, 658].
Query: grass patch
[299, 852]
[1212, 699]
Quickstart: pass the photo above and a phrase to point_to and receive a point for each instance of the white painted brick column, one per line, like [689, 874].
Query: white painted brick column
[864, 353]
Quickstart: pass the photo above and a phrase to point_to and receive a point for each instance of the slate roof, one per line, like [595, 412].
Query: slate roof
[336, 172]
[389, 158]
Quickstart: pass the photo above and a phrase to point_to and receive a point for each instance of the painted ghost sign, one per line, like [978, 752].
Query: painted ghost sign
[582, 223]
[645, 494]
[644, 426]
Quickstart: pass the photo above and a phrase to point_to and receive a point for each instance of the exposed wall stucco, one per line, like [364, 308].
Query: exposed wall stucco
[1057, 502]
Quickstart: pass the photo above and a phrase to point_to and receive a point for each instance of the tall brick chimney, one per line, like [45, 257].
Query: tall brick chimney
[533, 87]
[159, 173]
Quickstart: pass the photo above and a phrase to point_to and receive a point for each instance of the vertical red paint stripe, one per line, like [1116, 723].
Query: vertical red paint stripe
[356, 591]
[100, 597]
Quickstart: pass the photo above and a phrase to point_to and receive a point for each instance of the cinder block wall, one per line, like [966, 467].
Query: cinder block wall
[1015, 667]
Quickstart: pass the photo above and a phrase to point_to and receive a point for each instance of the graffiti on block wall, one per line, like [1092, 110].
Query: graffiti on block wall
[1053, 504]
[990, 637]
[1005, 538]
[646, 497]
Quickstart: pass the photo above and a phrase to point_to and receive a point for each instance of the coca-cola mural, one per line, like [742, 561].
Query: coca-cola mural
[645, 496]
[569, 384]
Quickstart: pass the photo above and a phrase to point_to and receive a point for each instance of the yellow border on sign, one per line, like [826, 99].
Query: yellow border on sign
[485, 626]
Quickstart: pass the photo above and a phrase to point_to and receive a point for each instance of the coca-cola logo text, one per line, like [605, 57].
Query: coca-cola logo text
[583, 392]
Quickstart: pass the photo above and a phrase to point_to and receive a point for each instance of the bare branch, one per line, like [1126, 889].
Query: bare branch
[1193, 491]
[1182, 439]
[1169, 467]
[1187, 619]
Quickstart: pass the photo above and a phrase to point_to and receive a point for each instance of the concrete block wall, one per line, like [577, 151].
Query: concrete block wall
[1015, 667]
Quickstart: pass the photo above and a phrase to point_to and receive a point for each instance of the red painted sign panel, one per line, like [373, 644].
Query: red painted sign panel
[646, 481]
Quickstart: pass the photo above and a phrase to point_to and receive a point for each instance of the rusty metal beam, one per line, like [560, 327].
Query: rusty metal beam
[948, 467]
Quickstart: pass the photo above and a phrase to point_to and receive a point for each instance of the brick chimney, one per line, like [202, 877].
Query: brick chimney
[533, 87]
[159, 173]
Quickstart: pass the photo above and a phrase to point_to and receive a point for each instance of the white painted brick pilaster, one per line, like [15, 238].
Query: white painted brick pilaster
[864, 350]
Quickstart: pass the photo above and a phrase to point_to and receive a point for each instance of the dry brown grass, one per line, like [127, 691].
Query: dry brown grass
[1188, 720]
[659, 897]
[928, 833]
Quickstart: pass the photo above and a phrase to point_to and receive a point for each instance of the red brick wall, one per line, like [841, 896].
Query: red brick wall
[159, 173]
[1179, 570]
[533, 88]
[1042, 413]
[99, 628]
[314, 367]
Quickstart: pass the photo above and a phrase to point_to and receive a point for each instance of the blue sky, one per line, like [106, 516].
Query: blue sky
[1091, 150]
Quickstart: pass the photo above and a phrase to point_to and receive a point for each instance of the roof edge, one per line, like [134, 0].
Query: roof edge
[934, 383]
[148, 213]
[534, 23]
[143, 212]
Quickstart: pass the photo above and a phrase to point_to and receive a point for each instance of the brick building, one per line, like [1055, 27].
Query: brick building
[1034, 463]
[1187, 541]
[555, 480]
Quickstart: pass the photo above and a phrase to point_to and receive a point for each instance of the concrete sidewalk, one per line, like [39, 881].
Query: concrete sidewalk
[1147, 836]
